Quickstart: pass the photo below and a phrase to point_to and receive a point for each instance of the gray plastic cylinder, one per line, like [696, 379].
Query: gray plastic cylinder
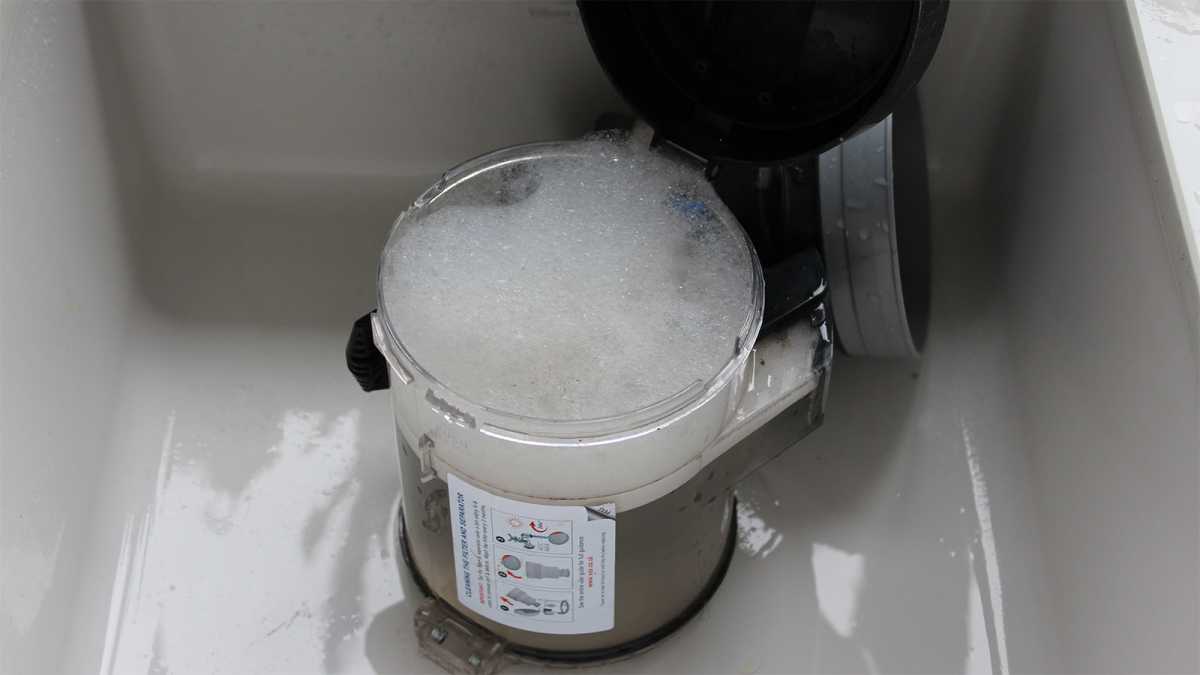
[877, 310]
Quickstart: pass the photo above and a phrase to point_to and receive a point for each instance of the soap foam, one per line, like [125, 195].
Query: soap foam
[591, 282]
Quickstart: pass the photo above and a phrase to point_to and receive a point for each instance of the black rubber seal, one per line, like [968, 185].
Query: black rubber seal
[615, 652]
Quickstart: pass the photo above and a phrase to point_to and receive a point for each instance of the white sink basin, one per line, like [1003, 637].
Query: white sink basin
[192, 202]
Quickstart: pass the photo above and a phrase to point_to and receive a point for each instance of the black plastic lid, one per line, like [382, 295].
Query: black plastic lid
[763, 82]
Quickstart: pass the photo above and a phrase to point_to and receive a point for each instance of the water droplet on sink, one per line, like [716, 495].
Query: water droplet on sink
[1188, 112]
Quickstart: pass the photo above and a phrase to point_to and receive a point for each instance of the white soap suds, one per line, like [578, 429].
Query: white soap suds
[572, 286]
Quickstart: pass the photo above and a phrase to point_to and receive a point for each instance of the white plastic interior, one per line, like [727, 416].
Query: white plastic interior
[192, 200]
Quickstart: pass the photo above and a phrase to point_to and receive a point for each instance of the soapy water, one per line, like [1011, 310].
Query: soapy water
[593, 281]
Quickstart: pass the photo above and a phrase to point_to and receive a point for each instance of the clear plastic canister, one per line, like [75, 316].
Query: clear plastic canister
[568, 321]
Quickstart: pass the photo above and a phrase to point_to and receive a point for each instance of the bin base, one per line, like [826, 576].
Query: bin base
[573, 657]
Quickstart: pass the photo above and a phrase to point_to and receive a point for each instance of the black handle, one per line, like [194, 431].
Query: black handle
[363, 360]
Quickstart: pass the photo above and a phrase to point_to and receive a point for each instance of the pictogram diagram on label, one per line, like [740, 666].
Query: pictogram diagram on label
[545, 569]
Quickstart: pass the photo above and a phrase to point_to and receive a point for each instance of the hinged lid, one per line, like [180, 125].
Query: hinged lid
[763, 82]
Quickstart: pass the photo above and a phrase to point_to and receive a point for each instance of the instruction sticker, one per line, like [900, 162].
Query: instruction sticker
[544, 569]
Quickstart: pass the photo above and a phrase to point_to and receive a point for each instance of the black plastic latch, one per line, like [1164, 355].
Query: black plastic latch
[794, 284]
[363, 360]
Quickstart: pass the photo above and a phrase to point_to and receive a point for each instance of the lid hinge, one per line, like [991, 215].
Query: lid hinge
[459, 647]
